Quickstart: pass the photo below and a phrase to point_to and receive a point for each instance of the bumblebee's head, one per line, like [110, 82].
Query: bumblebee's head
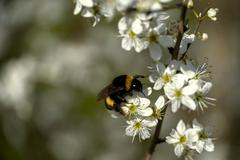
[136, 85]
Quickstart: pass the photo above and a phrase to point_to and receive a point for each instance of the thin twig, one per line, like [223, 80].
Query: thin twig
[180, 31]
[200, 19]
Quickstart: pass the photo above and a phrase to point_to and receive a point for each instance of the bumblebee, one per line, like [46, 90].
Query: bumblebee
[114, 94]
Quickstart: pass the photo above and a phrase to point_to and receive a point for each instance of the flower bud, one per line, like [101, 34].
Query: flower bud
[212, 13]
[190, 4]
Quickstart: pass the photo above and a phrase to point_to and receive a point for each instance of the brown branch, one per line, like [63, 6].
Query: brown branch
[180, 31]
[155, 140]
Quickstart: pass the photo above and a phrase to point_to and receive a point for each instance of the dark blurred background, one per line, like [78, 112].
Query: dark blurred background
[52, 65]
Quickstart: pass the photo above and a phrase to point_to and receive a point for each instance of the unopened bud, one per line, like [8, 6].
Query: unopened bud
[190, 4]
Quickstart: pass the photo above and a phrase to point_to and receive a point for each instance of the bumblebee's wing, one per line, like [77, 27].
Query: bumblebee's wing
[106, 91]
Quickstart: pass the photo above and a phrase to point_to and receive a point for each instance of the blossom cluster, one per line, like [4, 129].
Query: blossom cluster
[141, 115]
[178, 81]
[183, 84]
[188, 141]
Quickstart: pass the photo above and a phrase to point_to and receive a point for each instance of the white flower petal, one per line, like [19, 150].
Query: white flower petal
[189, 90]
[144, 102]
[179, 80]
[175, 105]
[169, 90]
[188, 102]
[139, 45]
[160, 68]
[125, 110]
[129, 131]
[161, 28]
[192, 135]
[160, 102]
[147, 91]
[87, 3]
[155, 51]
[166, 41]
[127, 43]
[199, 146]
[123, 24]
[145, 134]
[181, 127]
[188, 70]
[197, 125]
[206, 88]
[77, 8]
[178, 150]
[87, 12]
[171, 140]
[150, 122]
[145, 112]
[209, 146]
[137, 26]
[173, 66]
[158, 84]
[153, 77]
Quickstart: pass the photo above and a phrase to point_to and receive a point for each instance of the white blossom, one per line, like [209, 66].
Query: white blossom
[153, 36]
[191, 72]
[201, 98]
[203, 36]
[130, 30]
[157, 111]
[204, 141]
[181, 138]
[138, 127]
[179, 94]
[162, 75]
[137, 106]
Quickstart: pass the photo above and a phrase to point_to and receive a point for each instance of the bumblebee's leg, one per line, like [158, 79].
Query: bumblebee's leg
[118, 108]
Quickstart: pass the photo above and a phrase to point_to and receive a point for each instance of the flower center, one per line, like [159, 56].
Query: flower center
[131, 34]
[203, 135]
[167, 78]
[138, 125]
[133, 109]
[152, 38]
[178, 93]
[183, 139]
[198, 96]
[157, 113]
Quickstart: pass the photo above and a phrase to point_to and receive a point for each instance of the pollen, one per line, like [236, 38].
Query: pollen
[138, 125]
[203, 135]
[131, 34]
[133, 109]
[183, 139]
[178, 93]
[158, 114]
[167, 78]
[152, 38]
